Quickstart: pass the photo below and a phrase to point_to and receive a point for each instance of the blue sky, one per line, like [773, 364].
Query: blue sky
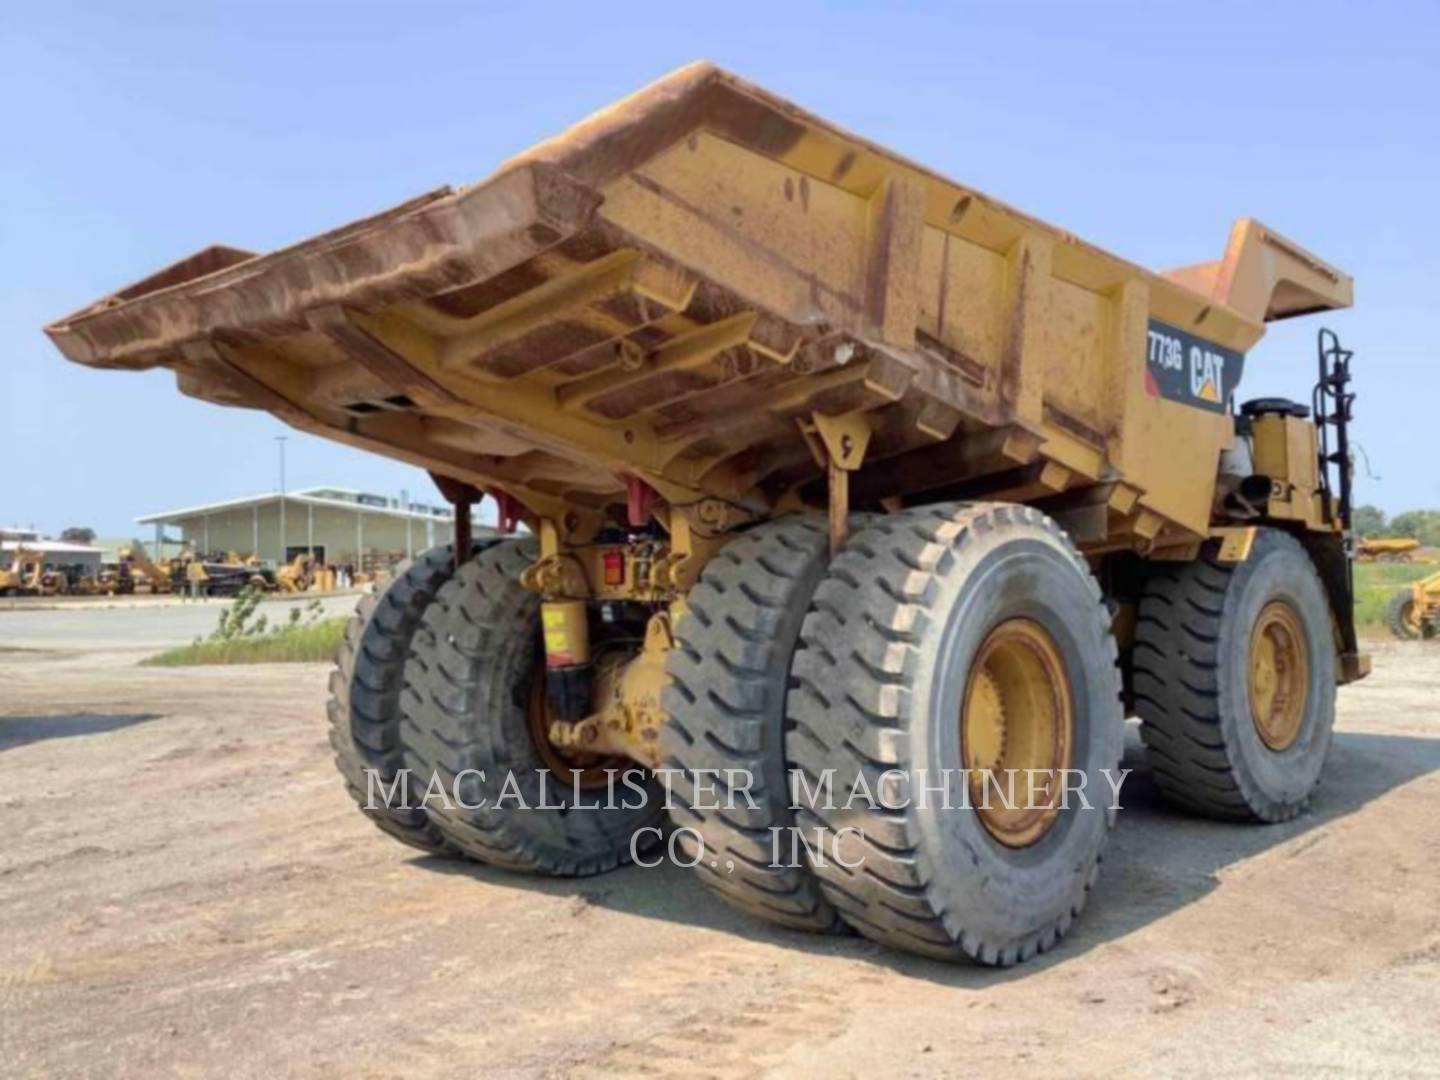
[133, 134]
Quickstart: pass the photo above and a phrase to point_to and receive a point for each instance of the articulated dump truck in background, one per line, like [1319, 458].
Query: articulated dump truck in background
[837, 475]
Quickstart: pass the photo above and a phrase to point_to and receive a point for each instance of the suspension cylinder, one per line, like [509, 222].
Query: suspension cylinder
[569, 674]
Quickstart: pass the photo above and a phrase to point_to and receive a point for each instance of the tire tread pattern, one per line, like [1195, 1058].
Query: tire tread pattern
[463, 708]
[850, 695]
[1177, 677]
[1395, 615]
[725, 706]
[365, 685]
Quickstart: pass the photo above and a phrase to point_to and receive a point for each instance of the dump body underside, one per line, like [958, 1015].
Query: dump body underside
[672, 290]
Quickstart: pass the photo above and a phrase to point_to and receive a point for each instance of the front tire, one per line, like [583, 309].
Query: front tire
[947, 638]
[1398, 616]
[1234, 681]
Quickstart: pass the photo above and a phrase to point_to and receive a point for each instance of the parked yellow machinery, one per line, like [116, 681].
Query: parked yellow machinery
[226, 575]
[298, 575]
[1414, 610]
[51, 583]
[29, 576]
[23, 575]
[1386, 549]
[104, 583]
[139, 573]
[840, 474]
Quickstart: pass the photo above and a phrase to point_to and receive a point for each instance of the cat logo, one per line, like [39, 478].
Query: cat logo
[1190, 370]
[1207, 375]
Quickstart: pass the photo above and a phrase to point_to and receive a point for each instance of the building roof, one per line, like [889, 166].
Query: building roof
[49, 547]
[335, 498]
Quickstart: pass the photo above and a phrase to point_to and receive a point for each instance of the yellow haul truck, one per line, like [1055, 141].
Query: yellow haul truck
[1386, 549]
[834, 470]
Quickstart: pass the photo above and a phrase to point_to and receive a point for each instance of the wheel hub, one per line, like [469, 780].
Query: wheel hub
[1017, 715]
[1279, 675]
[571, 767]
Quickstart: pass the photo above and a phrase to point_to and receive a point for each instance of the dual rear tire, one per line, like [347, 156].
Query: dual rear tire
[473, 726]
[940, 640]
[437, 679]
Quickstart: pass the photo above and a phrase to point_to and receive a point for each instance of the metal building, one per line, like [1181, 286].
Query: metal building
[336, 525]
[55, 554]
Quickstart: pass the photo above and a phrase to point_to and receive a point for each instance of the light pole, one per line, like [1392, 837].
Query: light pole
[405, 509]
[281, 440]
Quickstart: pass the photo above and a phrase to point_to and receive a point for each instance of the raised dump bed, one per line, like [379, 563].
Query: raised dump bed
[683, 341]
[669, 286]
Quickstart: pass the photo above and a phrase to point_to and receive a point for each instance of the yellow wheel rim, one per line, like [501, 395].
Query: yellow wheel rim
[1279, 675]
[1017, 714]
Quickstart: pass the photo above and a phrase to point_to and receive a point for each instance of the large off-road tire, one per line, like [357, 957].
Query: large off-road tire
[726, 706]
[911, 622]
[1397, 616]
[364, 704]
[469, 712]
[1234, 681]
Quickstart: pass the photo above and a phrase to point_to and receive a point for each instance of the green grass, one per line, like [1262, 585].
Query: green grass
[292, 645]
[1376, 583]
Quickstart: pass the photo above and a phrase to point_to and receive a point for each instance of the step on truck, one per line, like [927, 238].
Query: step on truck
[849, 493]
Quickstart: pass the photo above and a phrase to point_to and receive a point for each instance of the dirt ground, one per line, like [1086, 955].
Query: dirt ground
[186, 890]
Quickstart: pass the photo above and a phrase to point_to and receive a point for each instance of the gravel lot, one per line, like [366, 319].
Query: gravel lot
[186, 890]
